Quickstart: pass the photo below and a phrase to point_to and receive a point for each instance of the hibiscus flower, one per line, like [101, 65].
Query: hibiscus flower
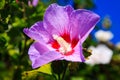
[60, 35]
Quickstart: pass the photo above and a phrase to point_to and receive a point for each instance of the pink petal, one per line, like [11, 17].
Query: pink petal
[40, 54]
[82, 22]
[38, 33]
[77, 56]
[56, 19]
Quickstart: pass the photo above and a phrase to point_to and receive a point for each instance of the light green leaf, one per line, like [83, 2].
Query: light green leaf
[2, 3]
[45, 69]
[77, 78]
[33, 73]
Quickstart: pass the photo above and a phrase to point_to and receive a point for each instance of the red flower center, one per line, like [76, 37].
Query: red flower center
[64, 44]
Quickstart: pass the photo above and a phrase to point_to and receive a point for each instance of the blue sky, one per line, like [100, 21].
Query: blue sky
[112, 9]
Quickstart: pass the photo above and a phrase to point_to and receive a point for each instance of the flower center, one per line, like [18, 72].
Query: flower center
[65, 47]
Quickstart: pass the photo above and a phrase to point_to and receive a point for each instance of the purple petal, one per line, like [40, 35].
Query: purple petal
[77, 56]
[37, 32]
[56, 19]
[69, 9]
[35, 2]
[40, 54]
[82, 23]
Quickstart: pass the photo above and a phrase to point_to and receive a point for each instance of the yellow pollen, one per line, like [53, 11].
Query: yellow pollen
[64, 46]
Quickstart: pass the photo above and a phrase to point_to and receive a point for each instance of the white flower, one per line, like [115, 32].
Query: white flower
[100, 55]
[103, 35]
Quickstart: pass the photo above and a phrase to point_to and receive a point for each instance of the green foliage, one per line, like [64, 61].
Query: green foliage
[2, 3]
[84, 4]
[14, 16]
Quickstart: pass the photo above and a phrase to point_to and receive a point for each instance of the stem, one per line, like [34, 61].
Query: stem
[58, 76]
[65, 69]
[54, 76]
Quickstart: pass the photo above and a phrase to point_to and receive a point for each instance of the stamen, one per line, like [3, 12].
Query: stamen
[64, 46]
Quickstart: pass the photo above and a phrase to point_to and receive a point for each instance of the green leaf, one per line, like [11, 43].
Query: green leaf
[19, 22]
[33, 73]
[77, 78]
[27, 75]
[2, 3]
[45, 69]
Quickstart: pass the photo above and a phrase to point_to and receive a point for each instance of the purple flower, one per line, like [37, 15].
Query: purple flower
[60, 35]
[33, 3]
